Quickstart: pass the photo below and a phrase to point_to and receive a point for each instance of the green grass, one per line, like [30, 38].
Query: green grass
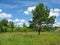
[29, 38]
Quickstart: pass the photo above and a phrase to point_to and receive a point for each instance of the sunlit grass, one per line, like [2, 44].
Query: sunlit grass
[29, 38]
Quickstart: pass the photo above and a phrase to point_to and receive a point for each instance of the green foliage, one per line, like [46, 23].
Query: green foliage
[41, 17]
[6, 26]
[11, 25]
[17, 29]
[4, 22]
[25, 29]
[9, 30]
[3, 25]
[4, 29]
[24, 25]
[57, 29]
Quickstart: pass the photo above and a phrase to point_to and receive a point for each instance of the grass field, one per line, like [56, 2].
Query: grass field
[29, 38]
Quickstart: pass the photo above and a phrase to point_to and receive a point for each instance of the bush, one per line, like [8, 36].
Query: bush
[25, 29]
[17, 29]
[4, 29]
[9, 30]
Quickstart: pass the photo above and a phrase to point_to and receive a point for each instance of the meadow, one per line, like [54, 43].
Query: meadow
[30, 38]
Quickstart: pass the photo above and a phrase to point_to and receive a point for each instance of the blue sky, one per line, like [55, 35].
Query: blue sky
[19, 11]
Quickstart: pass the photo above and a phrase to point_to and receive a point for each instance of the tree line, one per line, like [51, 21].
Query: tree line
[6, 26]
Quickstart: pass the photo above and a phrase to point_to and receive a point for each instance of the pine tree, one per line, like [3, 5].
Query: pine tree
[40, 17]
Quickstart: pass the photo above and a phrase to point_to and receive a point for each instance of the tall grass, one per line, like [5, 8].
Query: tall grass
[29, 38]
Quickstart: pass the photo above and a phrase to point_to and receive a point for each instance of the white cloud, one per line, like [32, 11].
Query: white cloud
[0, 10]
[5, 15]
[16, 20]
[19, 22]
[22, 21]
[31, 19]
[9, 20]
[27, 24]
[29, 10]
[54, 12]
[55, 20]
[26, 12]
[57, 24]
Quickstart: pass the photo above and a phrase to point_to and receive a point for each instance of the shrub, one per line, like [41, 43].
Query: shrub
[9, 30]
[17, 29]
[4, 29]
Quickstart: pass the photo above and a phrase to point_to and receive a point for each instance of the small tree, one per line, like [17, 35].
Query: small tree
[4, 25]
[24, 25]
[40, 17]
[4, 22]
[11, 25]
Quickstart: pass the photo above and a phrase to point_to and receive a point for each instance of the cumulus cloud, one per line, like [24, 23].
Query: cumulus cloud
[26, 12]
[31, 19]
[29, 10]
[9, 20]
[19, 22]
[57, 24]
[16, 20]
[5, 15]
[54, 12]
[23, 21]
[0, 10]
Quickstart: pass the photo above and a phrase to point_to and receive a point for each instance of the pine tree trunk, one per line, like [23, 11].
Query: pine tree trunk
[39, 31]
